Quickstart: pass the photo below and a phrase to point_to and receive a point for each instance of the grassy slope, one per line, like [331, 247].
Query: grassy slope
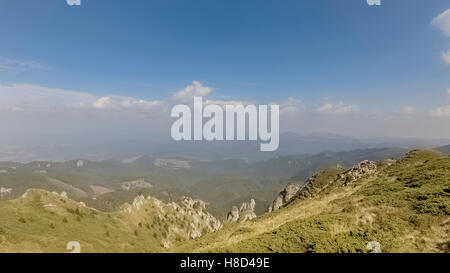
[41, 221]
[405, 207]
[45, 222]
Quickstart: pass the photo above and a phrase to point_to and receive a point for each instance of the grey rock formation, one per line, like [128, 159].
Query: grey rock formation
[188, 218]
[80, 163]
[233, 215]
[5, 191]
[363, 168]
[310, 188]
[285, 196]
[244, 213]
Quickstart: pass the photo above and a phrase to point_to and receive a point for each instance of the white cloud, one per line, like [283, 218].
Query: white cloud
[292, 105]
[446, 56]
[119, 102]
[26, 97]
[73, 2]
[442, 21]
[406, 110]
[189, 92]
[196, 89]
[338, 108]
[443, 111]
[32, 97]
[102, 103]
[225, 102]
[17, 66]
[58, 115]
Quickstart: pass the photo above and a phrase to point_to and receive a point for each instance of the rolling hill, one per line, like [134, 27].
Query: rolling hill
[42, 221]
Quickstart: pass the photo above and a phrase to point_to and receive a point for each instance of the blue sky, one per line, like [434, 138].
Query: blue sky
[328, 57]
[243, 49]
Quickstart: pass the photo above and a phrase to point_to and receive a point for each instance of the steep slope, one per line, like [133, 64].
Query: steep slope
[308, 188]
[405, 206]
[42, 221]
[346, 159]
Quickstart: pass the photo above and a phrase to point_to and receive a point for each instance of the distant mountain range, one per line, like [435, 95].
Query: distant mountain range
[129, 149]
[107, 184]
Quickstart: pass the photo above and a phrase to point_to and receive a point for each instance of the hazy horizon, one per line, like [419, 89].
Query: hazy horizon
[60, 85]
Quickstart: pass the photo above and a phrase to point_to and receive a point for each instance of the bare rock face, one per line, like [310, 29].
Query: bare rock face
[233, 215]
[202, 221]
[363, 168]
[310, 188]
[285, 196]
[80, 163]
[5, 191]
[244, 213]
[187, 219]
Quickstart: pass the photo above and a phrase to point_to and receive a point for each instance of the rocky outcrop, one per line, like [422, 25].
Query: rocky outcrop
[285, 196]
[5, 191]
[80, 163]
[312, 186]
[365, 167]
[201, 220]
[186, 219]
[244, 213]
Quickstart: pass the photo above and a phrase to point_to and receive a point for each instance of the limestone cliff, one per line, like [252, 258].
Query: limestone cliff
[320, 181]
[244, 213]
[186, 219]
